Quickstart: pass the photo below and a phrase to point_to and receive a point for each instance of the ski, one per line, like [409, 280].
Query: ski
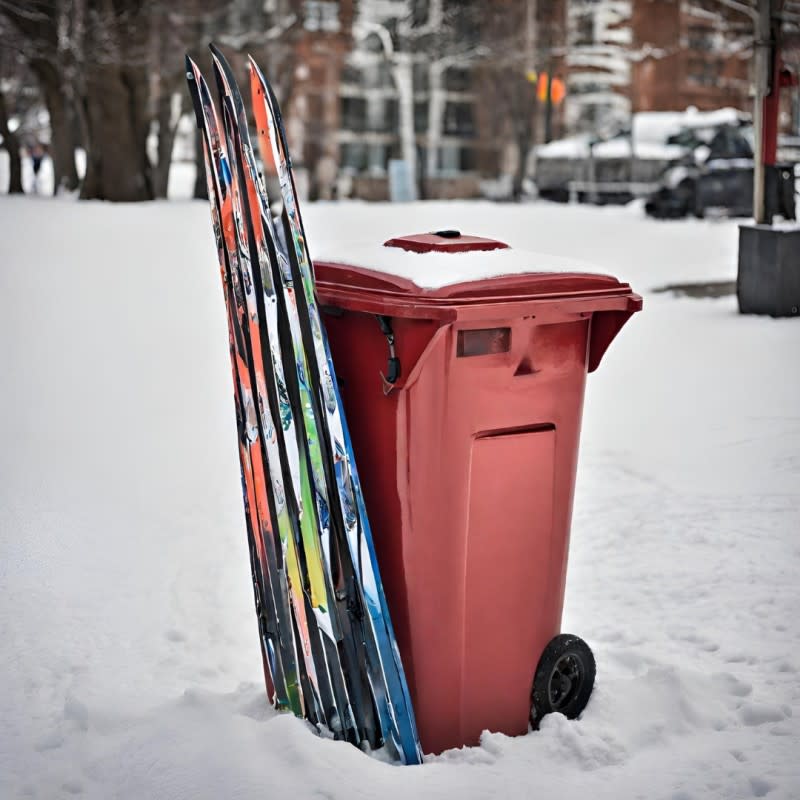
[385, 667]
[327, 642]
[278, 642]
[329, 680]
[320, 549]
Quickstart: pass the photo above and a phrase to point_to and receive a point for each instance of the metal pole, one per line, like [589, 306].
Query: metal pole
[761, 69]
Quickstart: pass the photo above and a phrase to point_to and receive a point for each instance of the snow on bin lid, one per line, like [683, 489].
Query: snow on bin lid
[446, 241]
[444, 271]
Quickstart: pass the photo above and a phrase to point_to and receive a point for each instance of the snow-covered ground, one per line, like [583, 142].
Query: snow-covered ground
[129, 665]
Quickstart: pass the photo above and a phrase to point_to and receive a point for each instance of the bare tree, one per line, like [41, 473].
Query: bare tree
[12, 146]
[112, 71]
[521, 39]
[10, 86]
[36, 25]
[427, 38]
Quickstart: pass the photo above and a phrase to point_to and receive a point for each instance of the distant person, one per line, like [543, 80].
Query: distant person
[37, 156]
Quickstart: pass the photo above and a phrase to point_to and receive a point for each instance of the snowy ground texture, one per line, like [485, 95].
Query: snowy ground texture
[129, 665]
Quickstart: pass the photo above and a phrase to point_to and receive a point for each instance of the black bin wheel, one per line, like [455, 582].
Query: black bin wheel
[564, 678]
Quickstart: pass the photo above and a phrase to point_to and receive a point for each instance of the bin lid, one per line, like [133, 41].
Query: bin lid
[473, 286]
[481, 271]
[444, 241]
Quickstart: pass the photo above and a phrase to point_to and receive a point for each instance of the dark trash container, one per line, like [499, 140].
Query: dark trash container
[768, 280]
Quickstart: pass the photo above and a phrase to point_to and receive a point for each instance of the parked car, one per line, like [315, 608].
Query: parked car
[630, 163]
[720, 177]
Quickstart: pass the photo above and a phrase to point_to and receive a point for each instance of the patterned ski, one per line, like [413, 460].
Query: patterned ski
[330, 680]
[327, 643]
[385, 667]
[346, 616]
[278, 641]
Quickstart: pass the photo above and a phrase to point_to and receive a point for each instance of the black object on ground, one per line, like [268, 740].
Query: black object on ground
[768, 280]
[564, 678]
[722, 184]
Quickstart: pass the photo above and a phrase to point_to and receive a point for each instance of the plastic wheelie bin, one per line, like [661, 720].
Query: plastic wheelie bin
[464, 405]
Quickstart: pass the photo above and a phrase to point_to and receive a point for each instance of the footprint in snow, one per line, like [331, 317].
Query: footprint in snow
[733, 685]
[760, 787]
[77, 712]
[752, 714]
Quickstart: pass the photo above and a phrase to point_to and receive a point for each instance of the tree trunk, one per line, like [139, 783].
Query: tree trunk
[523, 123]
[436, 105]
[519, 175]
[404, 81]
[117, 166]
[167, 128]
[62, 135]
[11, 146]
[524, 140]
[115, 91]
[62, 141]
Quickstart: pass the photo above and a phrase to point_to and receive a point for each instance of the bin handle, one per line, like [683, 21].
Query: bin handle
[393, 369]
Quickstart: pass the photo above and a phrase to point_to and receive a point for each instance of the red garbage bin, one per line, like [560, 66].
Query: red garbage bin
[467, 463]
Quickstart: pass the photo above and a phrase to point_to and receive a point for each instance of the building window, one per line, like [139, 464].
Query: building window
[378, 158]
[584, 29]
[457, 80]
[701, 38]
[702, 72]
[351, 76]
[382, 116]
[420, 117]
[448, 159]
[588, 88]
[420, 76]
[321, 15]
[454, 159]
[360, 157]
[459, 119]
[354, 113]
[353, 156]
[378, 75]
[590, 113]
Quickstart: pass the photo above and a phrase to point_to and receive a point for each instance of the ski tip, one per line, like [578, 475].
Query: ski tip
[220, 67]
[192, 72]
[219, 64]
[253, 65]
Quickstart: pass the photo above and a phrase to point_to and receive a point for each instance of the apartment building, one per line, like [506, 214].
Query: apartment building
[654, 55]
[453, 89]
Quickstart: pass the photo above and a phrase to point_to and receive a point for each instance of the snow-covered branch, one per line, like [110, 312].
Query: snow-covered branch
[242, 41]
